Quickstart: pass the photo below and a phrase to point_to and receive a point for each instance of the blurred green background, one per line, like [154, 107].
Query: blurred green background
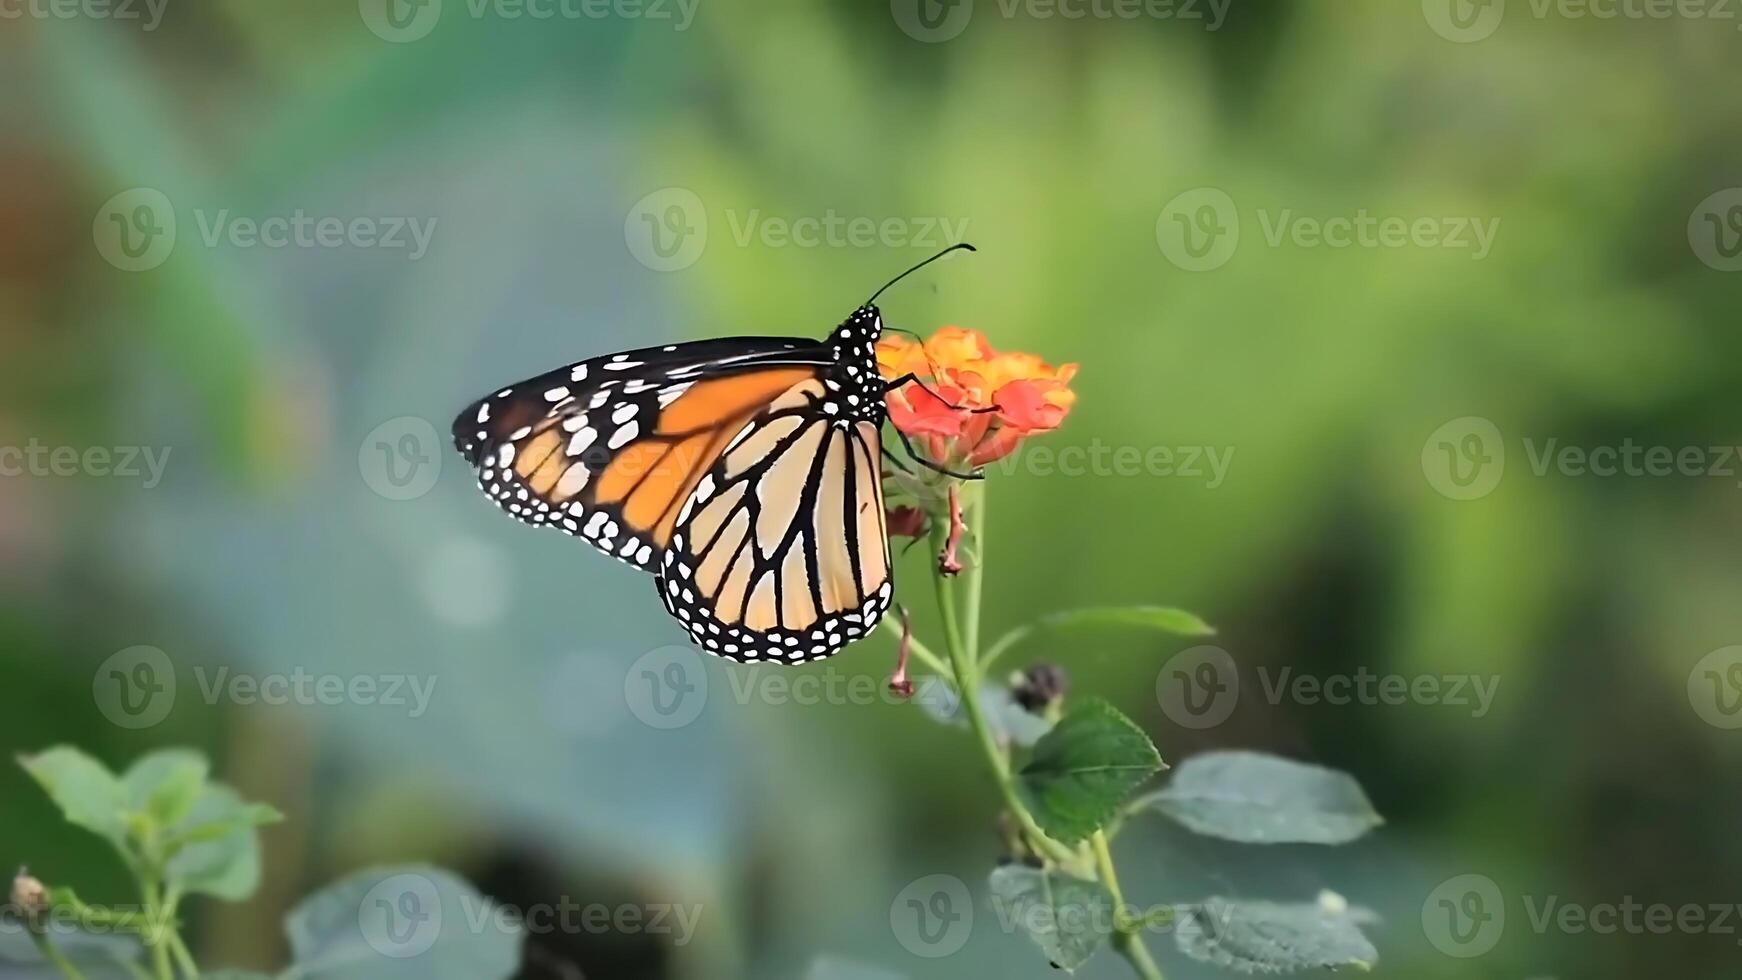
[594, 183]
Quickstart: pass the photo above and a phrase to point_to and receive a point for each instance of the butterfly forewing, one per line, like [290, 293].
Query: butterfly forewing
[609, 449]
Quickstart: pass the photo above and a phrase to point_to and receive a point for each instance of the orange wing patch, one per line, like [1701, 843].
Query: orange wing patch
[707, 403]
[650, 479]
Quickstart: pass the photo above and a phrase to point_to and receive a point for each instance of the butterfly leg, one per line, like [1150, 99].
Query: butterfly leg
[928, 464]
[903, 467]
[913, 379]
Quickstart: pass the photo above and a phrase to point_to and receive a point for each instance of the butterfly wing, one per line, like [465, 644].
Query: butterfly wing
[608, 449]
[780, 553]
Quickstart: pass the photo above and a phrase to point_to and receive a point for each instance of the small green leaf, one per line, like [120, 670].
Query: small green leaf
[1066, 916]
[1163, 618]
[87, 793]
[164, 784]
[1255, 798]
[1265, 937]
[236, 975]
[1081, 771]
[406, 923]
[219, 845]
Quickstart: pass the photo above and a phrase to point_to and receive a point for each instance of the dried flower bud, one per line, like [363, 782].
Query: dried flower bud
[1040, 686]
[29, 895]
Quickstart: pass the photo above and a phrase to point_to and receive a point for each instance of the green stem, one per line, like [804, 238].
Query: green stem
[183, 958]
[156, 926]
[53, 955]
[968, 688]
[1127, 937]
[975, 504]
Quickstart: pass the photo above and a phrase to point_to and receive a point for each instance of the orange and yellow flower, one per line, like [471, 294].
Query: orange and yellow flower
[981, 403]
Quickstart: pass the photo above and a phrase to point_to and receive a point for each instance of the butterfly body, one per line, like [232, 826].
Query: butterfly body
[744, 473]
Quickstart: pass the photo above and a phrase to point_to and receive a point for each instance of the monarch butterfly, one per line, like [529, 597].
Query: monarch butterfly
[744, 473]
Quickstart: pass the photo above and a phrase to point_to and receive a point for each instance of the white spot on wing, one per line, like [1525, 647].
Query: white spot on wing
[624, 434]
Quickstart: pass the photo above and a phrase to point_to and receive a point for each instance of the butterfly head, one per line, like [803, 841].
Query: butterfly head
[853, 346]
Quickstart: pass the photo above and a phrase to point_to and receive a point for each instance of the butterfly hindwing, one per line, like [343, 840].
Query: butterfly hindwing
[608, 449]
[781, 553]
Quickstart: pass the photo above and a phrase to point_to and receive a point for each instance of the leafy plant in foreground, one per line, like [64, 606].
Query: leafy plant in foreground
[1069, 770]
[180, 834]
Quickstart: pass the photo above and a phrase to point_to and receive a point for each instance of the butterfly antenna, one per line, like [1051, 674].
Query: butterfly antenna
[918, 267]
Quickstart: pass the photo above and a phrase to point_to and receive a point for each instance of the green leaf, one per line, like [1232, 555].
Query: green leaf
[1255, 798]
[165, 784]
[87, 793]
[405, 923]
[236, 975]
[1066, 916]
[1163, 618]
[1265, 937]
[1084, 768]
[218, 850]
